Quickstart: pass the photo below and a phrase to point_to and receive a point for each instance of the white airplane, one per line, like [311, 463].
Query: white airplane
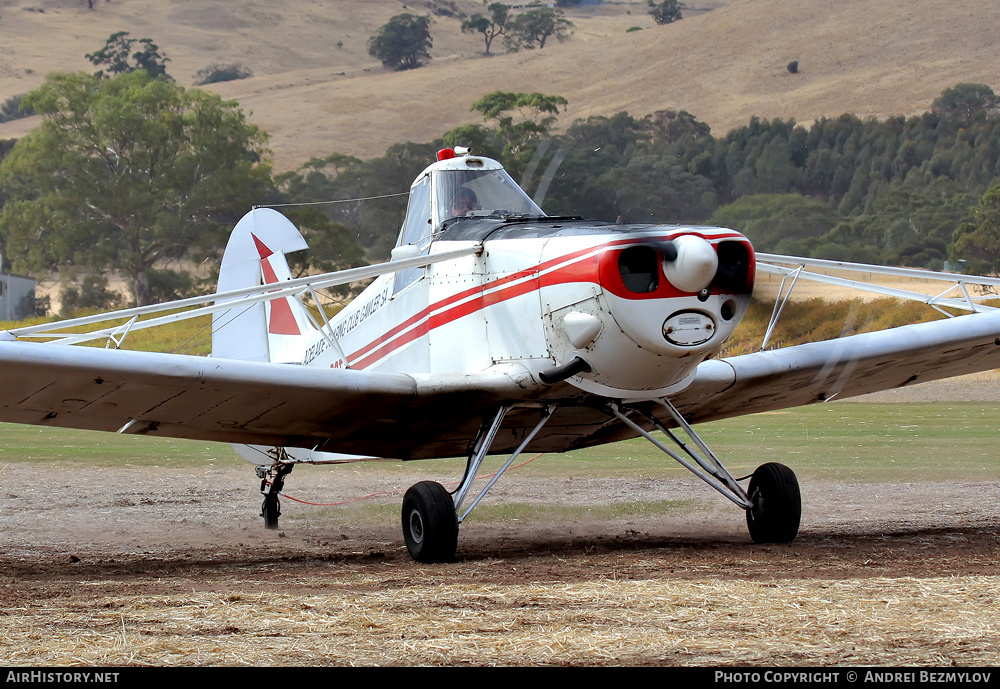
[494, 329]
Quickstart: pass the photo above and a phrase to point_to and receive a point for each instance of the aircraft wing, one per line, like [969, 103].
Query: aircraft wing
[844, 367]
[420, 416]
[180, 396]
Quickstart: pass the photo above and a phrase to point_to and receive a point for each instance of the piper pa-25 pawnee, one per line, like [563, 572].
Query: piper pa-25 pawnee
[494, 329]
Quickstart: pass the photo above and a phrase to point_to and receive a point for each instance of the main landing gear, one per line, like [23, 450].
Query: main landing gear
[776, 508]
[431, 515]
[430, 524]
[772, 501]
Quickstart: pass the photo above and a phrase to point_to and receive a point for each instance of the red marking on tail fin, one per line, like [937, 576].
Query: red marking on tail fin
[269, 277]
[282, 321]
[261, 247]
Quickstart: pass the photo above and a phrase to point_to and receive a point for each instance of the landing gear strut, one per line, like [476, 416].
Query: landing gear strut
[431, 515]
[270, 509]
[772, 501]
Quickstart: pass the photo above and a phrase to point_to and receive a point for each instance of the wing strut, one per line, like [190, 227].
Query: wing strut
[779, 304]
[985, 286]
[223, 301]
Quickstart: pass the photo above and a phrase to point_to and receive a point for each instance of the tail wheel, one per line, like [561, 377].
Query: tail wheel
[430, 525]
[270, 510]
[777, 504]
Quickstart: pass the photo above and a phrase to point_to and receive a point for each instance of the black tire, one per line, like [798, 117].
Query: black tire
[270, 510]
[777, 504]
[430, 525]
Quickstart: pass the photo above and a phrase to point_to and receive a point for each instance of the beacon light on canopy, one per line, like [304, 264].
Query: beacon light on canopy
[449, 153]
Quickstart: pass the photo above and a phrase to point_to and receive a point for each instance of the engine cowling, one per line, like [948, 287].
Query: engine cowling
[664, 304]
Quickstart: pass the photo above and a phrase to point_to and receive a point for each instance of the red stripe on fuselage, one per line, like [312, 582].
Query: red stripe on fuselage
[475, 299]
[581, 268]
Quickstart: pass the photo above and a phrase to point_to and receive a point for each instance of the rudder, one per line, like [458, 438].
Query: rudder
[273, 331]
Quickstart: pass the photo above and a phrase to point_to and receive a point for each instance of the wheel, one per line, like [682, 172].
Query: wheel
[270, 510]
[777, 504]
[430, 525]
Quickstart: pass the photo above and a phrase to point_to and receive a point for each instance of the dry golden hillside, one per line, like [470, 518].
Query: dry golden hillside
[316, 90]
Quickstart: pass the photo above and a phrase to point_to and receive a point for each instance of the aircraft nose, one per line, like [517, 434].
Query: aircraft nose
[677, 298]
[665, 304]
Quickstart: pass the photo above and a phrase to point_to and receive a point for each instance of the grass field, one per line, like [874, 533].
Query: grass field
[850, 441]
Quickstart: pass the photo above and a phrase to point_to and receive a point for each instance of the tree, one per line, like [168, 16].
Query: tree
[773, 220]
[979, 240]
[127, 172]
[402, 42]
[499, 106]
[490, 27]
[117, 54]
[665, 12]
[966, 101]
[477, 138]
[531, 29]
[332, 246]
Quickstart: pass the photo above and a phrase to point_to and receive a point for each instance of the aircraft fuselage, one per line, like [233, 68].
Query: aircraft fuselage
[544, 291]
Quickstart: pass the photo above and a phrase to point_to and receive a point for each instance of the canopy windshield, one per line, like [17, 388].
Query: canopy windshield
[478, 193]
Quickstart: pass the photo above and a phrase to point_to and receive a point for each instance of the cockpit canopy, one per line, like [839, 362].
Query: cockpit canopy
[461, 187]
[471, 193]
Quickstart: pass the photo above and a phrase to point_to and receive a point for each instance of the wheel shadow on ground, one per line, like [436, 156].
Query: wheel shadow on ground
[903, 552]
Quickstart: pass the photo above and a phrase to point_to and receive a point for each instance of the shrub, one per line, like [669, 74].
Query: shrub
[11, 109]
[666, 12]
[43, 304]
[216, 72]
[93, 294]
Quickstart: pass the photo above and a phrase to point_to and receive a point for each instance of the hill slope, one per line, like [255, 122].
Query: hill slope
[316, 90]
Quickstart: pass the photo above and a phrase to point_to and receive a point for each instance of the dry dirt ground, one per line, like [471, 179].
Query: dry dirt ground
[132, 565]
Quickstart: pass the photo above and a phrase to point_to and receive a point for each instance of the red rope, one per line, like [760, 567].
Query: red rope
[389, 492]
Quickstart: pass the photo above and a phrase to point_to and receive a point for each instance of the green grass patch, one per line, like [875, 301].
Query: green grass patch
[191, 336]
[486, 512]
[361, 513]
[852, 441]
[848, 441]
[866, 441]
[95, 449]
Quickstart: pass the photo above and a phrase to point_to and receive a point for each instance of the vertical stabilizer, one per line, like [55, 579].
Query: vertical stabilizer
[255, 255]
